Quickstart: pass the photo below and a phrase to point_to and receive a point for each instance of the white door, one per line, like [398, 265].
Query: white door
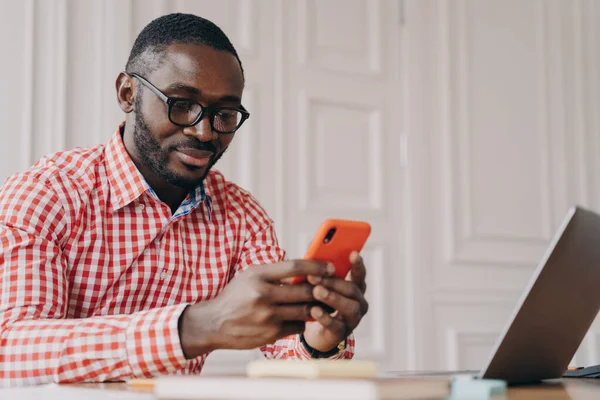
[327, 142]
[503, 138]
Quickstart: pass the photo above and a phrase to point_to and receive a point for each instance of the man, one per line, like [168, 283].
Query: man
[134, 259]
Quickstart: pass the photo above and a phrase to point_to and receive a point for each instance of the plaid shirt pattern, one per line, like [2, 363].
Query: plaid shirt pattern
[95, 270]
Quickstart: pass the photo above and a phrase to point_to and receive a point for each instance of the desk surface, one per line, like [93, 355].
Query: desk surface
[572, 389]
[564, 389]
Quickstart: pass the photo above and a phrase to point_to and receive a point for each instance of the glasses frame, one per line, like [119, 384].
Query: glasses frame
[203, 110]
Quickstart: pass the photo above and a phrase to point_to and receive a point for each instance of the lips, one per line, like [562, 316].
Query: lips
[194, 157]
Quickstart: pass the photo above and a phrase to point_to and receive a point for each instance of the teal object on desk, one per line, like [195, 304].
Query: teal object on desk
[476, 388]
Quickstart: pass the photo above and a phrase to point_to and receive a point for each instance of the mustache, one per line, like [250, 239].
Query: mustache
[195, 144]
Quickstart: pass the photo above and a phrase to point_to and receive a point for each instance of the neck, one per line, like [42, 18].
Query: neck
[169, 194]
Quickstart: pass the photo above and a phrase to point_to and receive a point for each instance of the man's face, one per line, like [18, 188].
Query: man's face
[182, 156]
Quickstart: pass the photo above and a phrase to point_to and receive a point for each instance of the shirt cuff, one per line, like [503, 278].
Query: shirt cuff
[153, 344]
[346, 353]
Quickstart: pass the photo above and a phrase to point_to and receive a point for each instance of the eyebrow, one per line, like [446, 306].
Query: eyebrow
[177, 86]
[230, 99]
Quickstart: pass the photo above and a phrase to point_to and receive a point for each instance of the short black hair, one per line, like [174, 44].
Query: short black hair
[148, 48]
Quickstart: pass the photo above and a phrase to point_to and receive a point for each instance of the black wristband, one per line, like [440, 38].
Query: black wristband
[320, 354]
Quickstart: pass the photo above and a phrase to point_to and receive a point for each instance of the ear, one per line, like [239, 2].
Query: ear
[125, 92]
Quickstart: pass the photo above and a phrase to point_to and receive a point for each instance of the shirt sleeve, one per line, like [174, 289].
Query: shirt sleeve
[262, 247]
[39, 342]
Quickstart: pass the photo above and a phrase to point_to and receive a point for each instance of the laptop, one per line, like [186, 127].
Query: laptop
[555, 311]
[557, 308]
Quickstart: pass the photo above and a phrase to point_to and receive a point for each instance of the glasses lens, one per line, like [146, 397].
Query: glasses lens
[226, 120]
[185, 112]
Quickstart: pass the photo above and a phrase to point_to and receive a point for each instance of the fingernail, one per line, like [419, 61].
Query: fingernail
[316, 312]
[354, 256]
[330, 269]
[321, 292]
[314, 280]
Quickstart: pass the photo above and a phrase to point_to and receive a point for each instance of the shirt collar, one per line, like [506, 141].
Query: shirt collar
[127, 182]
[194, 198]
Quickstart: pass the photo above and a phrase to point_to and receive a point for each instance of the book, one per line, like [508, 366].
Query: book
[311, 369]
[272, 388]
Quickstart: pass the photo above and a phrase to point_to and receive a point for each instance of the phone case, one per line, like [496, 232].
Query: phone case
[348, 236]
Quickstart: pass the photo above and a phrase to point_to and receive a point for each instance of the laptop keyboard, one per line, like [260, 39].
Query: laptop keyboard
[587, 372]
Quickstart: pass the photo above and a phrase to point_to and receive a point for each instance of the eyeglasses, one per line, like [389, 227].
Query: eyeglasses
[188, 112]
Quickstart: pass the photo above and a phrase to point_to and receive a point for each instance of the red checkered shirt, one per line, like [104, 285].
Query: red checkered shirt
[95, 270]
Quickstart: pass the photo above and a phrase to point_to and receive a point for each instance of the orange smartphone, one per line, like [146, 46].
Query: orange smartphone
[334, 241]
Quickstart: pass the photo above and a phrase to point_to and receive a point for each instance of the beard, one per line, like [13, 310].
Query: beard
[157, 159]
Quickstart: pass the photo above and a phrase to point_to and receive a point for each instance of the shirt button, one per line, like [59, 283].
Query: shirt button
[140, 207]
[163, 275]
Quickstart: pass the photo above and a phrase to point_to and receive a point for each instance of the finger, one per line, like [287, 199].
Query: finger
[335, 325]
[289, 269]
[312, 279]
[325, 307]
[349, 309]
[301, 293]
[292, 328]
[358, 272]
[299, 312]
[345, 288]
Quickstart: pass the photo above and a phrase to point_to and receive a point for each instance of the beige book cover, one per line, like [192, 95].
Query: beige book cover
[296, 380]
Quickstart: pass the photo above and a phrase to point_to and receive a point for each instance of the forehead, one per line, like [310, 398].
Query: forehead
[212, 72]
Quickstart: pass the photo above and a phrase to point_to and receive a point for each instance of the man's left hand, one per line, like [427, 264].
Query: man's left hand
[346, 297]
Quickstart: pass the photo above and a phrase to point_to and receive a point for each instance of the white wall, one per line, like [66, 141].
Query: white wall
[468, 127]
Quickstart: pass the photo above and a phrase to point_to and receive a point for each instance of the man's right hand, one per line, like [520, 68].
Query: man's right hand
[254, 309]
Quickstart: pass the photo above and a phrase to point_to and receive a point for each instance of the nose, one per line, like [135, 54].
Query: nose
[202, 130]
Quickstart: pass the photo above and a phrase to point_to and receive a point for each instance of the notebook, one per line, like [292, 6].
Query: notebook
[296, 380]
[287, 368]
[245, 388]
